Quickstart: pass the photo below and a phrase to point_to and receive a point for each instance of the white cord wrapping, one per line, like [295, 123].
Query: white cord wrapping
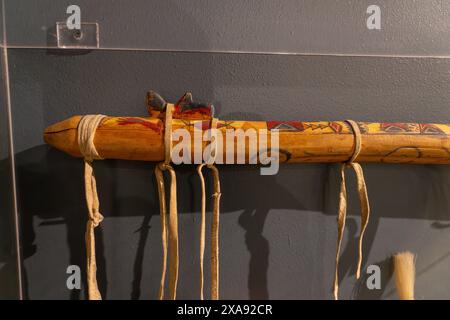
[86, 133]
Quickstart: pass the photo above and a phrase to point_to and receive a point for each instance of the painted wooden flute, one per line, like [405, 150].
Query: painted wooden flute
[139, 138]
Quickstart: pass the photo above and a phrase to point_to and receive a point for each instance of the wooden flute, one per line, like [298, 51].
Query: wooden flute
[142, 138]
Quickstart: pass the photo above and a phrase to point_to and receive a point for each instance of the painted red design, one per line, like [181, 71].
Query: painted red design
[197, 112]
[394, 127]
[153, 126]
[430, 129]
[335, 126]
[285, 125]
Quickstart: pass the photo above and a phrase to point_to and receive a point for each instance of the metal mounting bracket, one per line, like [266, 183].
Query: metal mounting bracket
[87, 37]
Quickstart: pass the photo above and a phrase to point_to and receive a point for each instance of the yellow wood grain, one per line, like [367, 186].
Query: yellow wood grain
[135, 138]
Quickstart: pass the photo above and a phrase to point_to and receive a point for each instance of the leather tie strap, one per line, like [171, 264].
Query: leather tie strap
[215, 217]
[364, 204]
[169, 229]
[86, 132]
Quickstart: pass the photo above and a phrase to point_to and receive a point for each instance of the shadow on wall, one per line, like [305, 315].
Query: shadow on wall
[413, 192]
[8, 264]
[51, 187]
[361, 290]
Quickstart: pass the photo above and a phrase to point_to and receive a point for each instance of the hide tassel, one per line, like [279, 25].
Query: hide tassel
[342, 213]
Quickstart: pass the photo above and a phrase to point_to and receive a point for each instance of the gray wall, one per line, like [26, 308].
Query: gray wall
[304, 26]
[8, 254]
[278, 233]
